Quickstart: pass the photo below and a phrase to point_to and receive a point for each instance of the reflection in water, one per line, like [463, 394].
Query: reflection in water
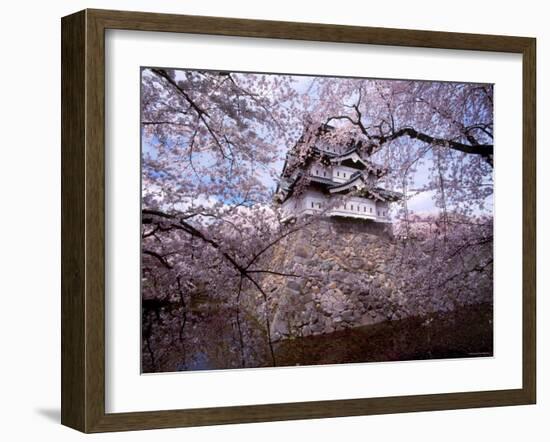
[198, 361]
[466, 332]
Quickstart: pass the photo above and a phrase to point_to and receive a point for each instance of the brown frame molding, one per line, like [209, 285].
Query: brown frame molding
[83, 216]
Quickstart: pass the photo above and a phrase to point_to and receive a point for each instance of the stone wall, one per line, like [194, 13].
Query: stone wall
[342, 279]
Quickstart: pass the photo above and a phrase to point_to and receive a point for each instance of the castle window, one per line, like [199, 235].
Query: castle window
[364, 208]
[324, 173]
[338, 173]
[344, 174]
[316, 172]
[312, 205]
[352, 207]
[370, 209]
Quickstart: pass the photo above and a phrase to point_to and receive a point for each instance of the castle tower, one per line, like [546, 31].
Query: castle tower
[333, 181]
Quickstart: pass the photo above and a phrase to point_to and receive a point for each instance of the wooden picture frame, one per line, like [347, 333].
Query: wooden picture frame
[83, 220]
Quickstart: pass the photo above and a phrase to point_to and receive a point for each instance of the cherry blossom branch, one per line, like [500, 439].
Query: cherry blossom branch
[484, 150]
[201, 113]
[477, 268]
[272, 272]
[238, 320]
[160, 258]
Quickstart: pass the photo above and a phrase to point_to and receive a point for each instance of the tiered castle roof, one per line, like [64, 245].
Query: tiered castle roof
[360, 181]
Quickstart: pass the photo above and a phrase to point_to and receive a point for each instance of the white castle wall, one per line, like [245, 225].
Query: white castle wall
[314, 202]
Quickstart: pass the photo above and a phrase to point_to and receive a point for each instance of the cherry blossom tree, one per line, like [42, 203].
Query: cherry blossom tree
[212, 149]
[210, 142]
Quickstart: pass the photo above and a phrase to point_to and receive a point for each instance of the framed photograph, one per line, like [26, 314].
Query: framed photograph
[267, 221]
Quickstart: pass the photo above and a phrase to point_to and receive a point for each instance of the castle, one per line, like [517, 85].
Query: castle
[335, 181]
